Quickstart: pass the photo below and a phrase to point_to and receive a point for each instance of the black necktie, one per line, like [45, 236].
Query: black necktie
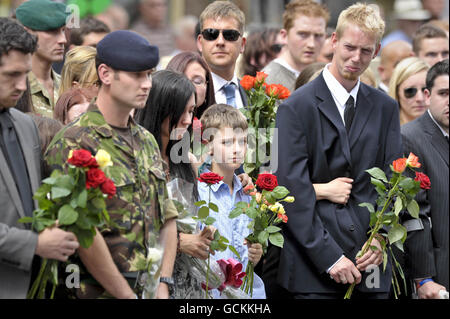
[13, 153]
[349, 113]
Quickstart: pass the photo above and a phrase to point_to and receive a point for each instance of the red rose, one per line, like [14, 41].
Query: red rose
[82, 158]
[424, 180]
[272, 90]
[399, 165]
[94, 178]
[261, 77]
[248, 82]
[267, 181]
[108, 188]
[284, 92]
[283, 218]
[210, 178]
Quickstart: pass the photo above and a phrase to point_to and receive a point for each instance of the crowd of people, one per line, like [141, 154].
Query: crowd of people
[359, 99]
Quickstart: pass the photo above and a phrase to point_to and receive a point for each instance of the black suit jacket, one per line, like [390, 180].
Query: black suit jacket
[427, 249]
[314, 148]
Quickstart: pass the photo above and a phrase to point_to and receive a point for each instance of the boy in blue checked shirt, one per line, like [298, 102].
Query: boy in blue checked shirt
[225, 129]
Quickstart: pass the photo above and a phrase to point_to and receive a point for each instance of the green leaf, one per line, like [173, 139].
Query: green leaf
[58, 192]
[203, 212]
[276, 240]
[413, 208]
[85, 238]
[200, 203]
[377, 173]
[234, 251]
[262, 237]
[280, 192]
[67, 215]
[213, 207]
[65, 181]
[398, 206]
[369, 206]
[98, 203]
[26, 220]
[273, 229]
[235, 213]
[385, 260]
[373, 248]
[396, 233]
[252, 212]
[82, 199]
[378, 183]
[209, 220]
[407, 184]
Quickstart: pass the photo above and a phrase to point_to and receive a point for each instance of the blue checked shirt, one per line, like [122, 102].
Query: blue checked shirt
[235, 230]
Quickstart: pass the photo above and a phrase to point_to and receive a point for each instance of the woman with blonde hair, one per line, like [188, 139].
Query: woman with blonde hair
[407, 87]
[79, 70]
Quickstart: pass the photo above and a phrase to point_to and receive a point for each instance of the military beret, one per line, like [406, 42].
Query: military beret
[127, 51]
[42, 15]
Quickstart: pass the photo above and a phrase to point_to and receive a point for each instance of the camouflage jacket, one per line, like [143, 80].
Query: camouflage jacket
[139, 177]
[40, 97]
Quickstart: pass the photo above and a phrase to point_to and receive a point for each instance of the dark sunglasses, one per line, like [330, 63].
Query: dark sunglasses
[228, 34]
[411, 92]
[276, 48]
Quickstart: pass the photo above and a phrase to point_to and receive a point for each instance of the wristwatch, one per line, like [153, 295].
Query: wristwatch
[167, 280]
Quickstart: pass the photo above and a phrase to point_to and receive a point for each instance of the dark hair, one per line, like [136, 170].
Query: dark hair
[307, 73]
[179, 64]
[440, 68]
[87, 25]
[259, 43]
[426, 31]
[168, 97]
[13, 36]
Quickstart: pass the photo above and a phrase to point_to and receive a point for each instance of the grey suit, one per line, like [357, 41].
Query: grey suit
[278, 74]
[427, 249]
[17, 243]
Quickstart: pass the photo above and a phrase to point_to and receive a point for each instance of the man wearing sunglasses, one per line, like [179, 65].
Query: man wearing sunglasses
[426, 246]
[220, 42]
[304, 32]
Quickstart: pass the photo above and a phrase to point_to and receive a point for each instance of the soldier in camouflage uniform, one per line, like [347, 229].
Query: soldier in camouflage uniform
[47, 20]
[141, 203]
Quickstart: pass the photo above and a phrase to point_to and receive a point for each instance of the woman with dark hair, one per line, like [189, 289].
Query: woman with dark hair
[168, 116]
[197, 71]
[262, 47]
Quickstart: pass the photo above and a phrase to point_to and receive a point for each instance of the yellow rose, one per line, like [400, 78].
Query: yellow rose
[70, 154]
[263, 207]
[289, 199]
[277, 208]
[103, 159]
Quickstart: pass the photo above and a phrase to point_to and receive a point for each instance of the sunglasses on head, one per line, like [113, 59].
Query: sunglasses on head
[411, 92]
[228, 34]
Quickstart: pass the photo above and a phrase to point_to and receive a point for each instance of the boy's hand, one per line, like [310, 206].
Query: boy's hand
[245, 180]
[255, 252]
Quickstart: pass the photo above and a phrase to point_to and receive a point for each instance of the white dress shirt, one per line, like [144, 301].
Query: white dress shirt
[339, 93]
[340, 97]
[219, 93]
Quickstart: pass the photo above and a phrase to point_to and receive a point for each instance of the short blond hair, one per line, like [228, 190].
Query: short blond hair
[307, 8]
[365, 16]
[220, 116]
[79, 65]
[223, 9]
[405, 69]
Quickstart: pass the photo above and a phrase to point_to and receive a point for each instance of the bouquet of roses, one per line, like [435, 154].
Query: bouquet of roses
[394, 196]
[180, 192]
[75, 202]
[260, 113]
[266, 211]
